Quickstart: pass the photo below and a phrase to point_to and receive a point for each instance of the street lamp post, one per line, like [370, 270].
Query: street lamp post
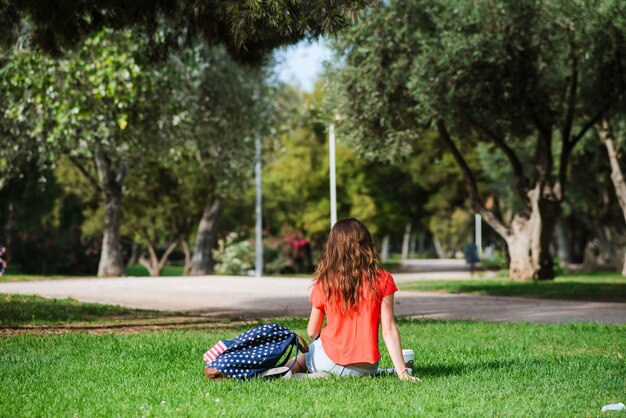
[333, 181]
[478, 233]
[258, 265]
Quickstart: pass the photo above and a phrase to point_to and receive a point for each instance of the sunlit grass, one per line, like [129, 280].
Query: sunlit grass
[32, 277]
[132, 270]
[467, 369]
[610, 287]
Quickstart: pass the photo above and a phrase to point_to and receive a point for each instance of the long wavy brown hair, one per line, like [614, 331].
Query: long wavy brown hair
[348, 268]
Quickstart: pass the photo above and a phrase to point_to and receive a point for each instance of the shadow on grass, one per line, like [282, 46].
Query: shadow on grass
[137, 270]
[601, 288]
[442, 370]
[603, 292]
[21, 309]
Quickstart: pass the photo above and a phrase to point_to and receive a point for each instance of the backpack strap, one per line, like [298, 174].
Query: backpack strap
[304, 347]
[214, 373]
[301, 345]
[289, 355]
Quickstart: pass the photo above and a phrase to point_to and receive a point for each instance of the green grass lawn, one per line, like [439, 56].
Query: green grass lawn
[18, 310]
[139, 270]
[135, 270]
[31, 277]
[468, 369]
[609, 287]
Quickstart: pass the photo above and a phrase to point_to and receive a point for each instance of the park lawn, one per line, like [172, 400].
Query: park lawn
[132, 270]
[33, 277]
[605, 287]
[137, 270]
[17, 310]
[467, 369]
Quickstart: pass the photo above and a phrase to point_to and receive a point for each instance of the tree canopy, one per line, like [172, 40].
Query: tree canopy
[248, 29]
[518, 76]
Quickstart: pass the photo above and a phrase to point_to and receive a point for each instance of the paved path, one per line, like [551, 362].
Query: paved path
[249, 297]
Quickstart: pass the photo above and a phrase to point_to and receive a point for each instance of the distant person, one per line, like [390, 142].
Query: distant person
[471, 256]
[3, 261]
[356, 297]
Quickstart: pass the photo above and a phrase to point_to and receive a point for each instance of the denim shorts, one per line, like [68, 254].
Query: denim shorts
[318, 361]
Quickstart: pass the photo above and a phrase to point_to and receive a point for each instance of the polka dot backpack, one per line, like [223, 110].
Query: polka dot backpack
[255, 352]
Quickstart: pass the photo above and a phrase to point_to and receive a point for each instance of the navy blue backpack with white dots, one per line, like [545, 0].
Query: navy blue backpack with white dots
[254, 352]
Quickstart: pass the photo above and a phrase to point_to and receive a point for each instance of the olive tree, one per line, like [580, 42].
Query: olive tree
[249, 29]
[535, 73]
[92, 105]
[222, 107]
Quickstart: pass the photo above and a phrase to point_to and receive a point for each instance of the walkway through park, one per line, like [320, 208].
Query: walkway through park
[251, 297]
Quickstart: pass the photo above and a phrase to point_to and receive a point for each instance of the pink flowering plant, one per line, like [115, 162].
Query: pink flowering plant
[288, 254]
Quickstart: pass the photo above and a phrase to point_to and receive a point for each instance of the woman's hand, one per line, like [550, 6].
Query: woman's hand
[392, 339]
[404, 375]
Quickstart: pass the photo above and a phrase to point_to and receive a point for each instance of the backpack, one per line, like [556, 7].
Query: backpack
[253, 352]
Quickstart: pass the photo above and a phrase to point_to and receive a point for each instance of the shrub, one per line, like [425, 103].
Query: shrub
[234, 255]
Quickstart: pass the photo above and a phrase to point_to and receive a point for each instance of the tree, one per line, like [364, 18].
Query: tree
[91, 106]
[24, 156]
[162, 205]
[104, 106]
[535, 74]
[222, 107]
[607, 136]
[296, 178]
[248, 29]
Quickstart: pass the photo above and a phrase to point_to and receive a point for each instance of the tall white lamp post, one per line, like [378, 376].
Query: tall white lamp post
[333, 181]
[478, 233]
[258, 265]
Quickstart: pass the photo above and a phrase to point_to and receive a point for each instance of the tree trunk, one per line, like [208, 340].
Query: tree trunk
[421, 238]
[111, 260]
[384, 249]
[134, 254]
[529, 238]
[606, 249]
[406, 241]
[154, 265]
[412, 244]
[563, 246]
[202, 260]
[438, 248]
[617, 177]
[529, 234]
[590, 259]
[187, 252]
[146, 261]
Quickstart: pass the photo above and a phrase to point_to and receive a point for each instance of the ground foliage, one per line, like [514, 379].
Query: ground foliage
[33, 310]
[602, 287]
[470, 369]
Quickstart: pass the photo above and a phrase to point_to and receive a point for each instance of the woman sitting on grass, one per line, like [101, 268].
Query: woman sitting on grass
[355, 295]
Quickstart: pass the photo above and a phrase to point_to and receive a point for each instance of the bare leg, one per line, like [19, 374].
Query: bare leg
[300, 365]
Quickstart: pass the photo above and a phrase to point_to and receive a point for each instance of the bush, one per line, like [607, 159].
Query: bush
[51, 251]
[234, 255]
[287, 255]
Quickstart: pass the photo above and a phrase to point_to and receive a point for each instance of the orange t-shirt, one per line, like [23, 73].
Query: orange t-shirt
[349, 339]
